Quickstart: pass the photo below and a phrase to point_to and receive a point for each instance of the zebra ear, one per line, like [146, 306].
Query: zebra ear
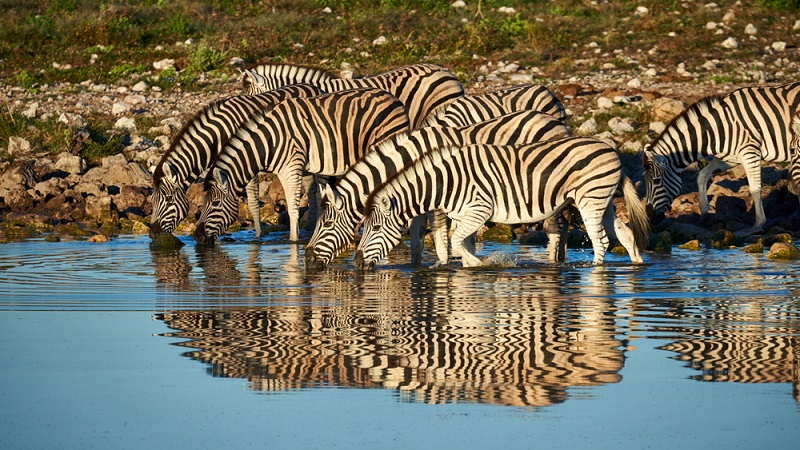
[172, 173]
[385, 203]
[221, 178]
[796, 124]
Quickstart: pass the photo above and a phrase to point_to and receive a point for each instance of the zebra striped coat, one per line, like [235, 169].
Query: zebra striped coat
[748, 126]
[506, 184]
[794, 150]
[342, 204]
[197, 145]
[321, 135]
[422, 88]
[476, 108]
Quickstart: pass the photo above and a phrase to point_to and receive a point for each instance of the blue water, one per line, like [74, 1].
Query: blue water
[115, 346]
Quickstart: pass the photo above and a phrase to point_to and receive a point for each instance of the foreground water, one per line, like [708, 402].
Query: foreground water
[116, 346]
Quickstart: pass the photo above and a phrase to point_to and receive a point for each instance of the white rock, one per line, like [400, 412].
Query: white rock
[796, 25]
[619, 126]
[635, 83]
[632, 146]
[346, 74]
[711, 25]
[651, 72]
[381, 40]
[236, 61]
[71, 163]
[657, 127]
[729, 16]
[521, 78]
[119, 108]
[327, 10]
[641, 11]
[506, 10]
[189, 41]
[711, 6]
[30, 111]
[731, 43]
[126, 123]
[135, 99]
[18, 145]
[779, 46]
[72, 120]
[159, 48]
[750, 29]
[605, 102]
[164, 64]
[588, 127]
[139, 87]
[458, 4]
[114, 160]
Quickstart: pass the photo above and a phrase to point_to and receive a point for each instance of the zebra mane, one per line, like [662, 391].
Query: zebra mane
[287, 73]
[698, 108]
[159, 172]
[436, 114]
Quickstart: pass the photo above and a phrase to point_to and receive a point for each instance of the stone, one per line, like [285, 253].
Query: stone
[657, 127]
[730, 43]
[165, 241]
[781, 250]
[125, 123]
[588, 127]
[779, 46]
[18, 146]
[723, 239]
[30, 111]
[136, 99]
[119, 108]
[634, 83]
[620, 126]
[72, 164]
[665, 109]
[139, 87]
[97, 238]
[663, 243]
[18, 199]
[236, 61]
[381, 40]
[693, 245]
[72, 120]
[750, 29]
[114, 160]
[458, 4]
[164, 64]
[605, 103]
[499, 233]
[757, 247]
[537, 237]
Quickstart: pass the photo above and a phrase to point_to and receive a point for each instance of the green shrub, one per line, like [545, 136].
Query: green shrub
[204, 58]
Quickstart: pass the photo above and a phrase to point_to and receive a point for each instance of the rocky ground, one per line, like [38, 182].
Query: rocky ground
[66, 195]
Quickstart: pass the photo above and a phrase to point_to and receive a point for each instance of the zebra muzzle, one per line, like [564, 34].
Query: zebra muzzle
[311, 259]
[360, 264]
[200, 236]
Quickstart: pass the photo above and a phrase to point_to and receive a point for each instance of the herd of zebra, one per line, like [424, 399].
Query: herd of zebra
[389, 151]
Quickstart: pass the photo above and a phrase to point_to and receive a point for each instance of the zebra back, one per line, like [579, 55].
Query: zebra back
[195, 147]
[475, 108]
[332, 131]
[267, 77]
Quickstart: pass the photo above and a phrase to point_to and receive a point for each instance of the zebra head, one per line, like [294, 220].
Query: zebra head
[794, 151]
[663, 185]
[220, 208]
[334, 230]
[382, 229]
[252, 82]
[170, 204]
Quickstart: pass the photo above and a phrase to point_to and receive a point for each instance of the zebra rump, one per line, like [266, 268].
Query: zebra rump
[506, 184]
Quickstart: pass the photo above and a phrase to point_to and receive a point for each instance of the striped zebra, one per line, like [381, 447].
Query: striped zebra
[471, 109]
[506, 184]
[342, 203]
[320, 135]
[422, 88]
[794, 166]
[195, 148]
[748, 126]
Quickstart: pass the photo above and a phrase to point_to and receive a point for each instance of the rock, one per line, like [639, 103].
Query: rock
[588, 127]
[499, 233]
[125, 123]
[665, 109]
[139, 87]
[657, 127]
[693, 245]
[663, 242]
[236, 61]
[165, 241]
[634, 83]
[537, 237]
[750, 29]
[114, 160]
[164, 64]
[18, 146]
[130, 174]
[72, 120]
[779, 46]
[101, 208]
[684, 232]
[98, 238]
[135, 99]
[620, 126]
[458, 4]
[605, 103]
[72, 164]
[781, 250]
[730, 43]
[140, 227]
[641, 11]
[723, 239]
[771, 239]
[796, 25]
[757, 247]
[381, 40]
[577, 238]
[30, 111]
[18, 199]
[119, 108]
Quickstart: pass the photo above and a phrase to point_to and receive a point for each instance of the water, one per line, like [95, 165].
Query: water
[115, 346]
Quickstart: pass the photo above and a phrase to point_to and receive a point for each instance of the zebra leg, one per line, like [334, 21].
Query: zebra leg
[593, 220]
[292, 188]
[440, 239]
[252, 204]
[311, 188]
[752, 169]
[556, 224]
[468, 225]
[416, 233]
[702, 181]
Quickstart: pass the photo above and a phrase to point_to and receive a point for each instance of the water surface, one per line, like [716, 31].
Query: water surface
[117, 346]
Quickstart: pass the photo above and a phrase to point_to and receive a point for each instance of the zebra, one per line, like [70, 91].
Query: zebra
[422, 88]
[195, 148]
[341, 204]
[794, 146]
[471, 109]
[506, 184]
[321, 135]
[747, 126]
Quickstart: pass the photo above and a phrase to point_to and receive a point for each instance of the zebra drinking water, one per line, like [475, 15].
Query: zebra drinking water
[506, 184]
[422, 88]
[747, 126]
[342, 203]
[321, 135]
[195, 148]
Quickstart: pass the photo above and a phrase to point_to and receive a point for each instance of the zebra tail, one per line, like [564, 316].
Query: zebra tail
[639, 223]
